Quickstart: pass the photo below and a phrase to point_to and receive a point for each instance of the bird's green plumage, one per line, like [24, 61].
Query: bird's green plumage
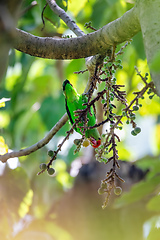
[74, 101]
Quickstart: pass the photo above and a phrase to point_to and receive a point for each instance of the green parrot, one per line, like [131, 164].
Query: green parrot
[74, 101]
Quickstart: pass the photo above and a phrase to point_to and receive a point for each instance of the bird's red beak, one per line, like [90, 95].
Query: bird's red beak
[95, 143]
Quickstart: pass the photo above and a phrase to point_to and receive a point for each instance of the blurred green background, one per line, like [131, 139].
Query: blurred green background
[28, 202]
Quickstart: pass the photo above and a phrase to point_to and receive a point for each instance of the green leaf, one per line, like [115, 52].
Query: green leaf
[12, 58]
[153, 229]
[150, 163]
[153, 204]
[49, 15]
[52, 109]
[138, 192]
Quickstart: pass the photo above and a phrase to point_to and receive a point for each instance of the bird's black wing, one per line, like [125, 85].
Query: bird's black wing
[68, 112]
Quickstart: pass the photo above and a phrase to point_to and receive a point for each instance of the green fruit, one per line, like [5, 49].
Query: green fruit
[103, 185]
[51, 171]
[50, 153]
[119, 61]
[149, 91]
[132, 116]
[100, 191]
[124, 113]
[77, 141]
[150, 97]
[117, 191]
[137, 130]
[133, 133]
[135, 108]
[103, 101]
[43, 166]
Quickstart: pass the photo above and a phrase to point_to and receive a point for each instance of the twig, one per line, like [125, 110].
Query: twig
[81, 71]
[23, 152]
[92, 61]
[38, 145]
[64, 16]
[42, 16]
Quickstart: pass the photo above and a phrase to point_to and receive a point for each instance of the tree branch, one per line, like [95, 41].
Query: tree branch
[67, 49]
[64, 16]
[23, 152]
[87, 45]
[38, 145]
[92, 61]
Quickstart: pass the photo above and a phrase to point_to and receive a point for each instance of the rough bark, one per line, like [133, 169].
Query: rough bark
[118, 31]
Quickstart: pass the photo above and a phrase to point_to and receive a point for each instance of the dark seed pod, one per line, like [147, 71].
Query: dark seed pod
[50, 153]
[135, 108]
[137, 130]
[77, 141]
[43, 166]
[133, 133]
[132, 116]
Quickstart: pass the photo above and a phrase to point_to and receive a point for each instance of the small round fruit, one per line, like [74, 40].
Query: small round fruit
[103, 185]
[135, 108]
[133, 116]
[86, 143]
[51, 171]
[137, 130]
[150, 97]
[43, 166]
[50, 153]
[117, 191]
[100, 191]
[133, 133]
[103, 101]
[77, 141]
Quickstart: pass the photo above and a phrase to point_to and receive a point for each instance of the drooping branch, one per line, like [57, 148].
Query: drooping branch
[94, 43]
[38, 145]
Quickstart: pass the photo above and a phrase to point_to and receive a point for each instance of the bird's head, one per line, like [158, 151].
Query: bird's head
[95, 143]
[65, 83]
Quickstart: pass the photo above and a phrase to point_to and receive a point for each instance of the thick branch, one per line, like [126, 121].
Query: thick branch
[94, 43]
[36, 146]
